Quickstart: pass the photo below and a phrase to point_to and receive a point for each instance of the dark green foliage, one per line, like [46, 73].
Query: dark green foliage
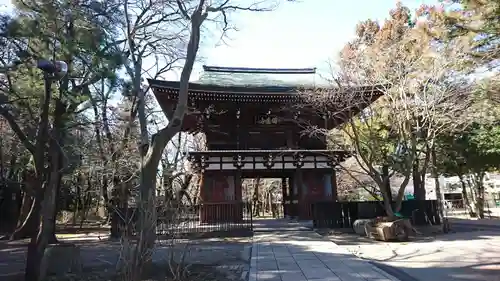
[473, 150]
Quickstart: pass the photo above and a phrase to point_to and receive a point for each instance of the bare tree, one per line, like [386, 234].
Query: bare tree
[419, 98]
[139, 42]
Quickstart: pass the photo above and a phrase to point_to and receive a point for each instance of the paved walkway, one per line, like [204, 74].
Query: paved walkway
[306, 256]
[461, 256]
[280, 225]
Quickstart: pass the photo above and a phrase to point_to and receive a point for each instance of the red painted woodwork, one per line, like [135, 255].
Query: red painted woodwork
[215, 207]
[218, 189]
[315, 186]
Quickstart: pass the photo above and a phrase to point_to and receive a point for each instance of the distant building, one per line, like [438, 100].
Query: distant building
[451, 188]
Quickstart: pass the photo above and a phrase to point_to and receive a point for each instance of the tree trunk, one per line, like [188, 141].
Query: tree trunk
[152, 158]
[183, 193]
[418, 184]
[39, 243]
[118, 208]
[27, 226]
[34, 256]
[440, 207]
[387, 182]
[387, 205]
[256, 197]
[56, 163]
[465, 195]
[147, 217]
[480, 207]
[78, 199]
[85, 207]
[386, 191]
[147, 203]
[197, 194]
[480, 195]
[44, 202]
[57, 205]
[105, 203]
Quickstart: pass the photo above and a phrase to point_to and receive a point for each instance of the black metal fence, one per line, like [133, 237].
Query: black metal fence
[201, 220]
[331, 214]
[275, 210]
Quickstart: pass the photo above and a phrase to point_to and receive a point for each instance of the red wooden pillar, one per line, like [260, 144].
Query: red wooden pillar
[299, 181]
[220, 208]
[213, 198]
[314, 192]
[218, 189]
[215, 206]
[205, 184]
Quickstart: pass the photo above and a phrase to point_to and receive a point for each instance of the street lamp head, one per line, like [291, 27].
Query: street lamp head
[46, 66]
[58, 69]
[61, 69]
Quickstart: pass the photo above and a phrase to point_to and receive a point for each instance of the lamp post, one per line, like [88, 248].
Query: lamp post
[45, 201]
[52, 71]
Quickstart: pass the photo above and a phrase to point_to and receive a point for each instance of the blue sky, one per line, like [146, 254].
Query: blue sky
[304, 33]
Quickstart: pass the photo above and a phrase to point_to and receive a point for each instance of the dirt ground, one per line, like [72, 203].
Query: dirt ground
[463, 255]
[212, 259]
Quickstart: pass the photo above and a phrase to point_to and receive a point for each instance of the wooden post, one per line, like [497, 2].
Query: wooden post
[299, 199]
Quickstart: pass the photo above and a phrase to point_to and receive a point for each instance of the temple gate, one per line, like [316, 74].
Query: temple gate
[252, 130]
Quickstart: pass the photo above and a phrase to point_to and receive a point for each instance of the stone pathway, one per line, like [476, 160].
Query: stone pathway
[306, 256]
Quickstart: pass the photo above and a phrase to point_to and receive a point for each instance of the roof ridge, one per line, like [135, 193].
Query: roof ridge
[227, 69]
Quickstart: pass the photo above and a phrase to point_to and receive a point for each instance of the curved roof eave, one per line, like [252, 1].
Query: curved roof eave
[199, 87]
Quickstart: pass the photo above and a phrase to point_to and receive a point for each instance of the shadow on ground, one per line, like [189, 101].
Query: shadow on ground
[404, 267]
[465, 254]
[225, 257]
[305, 255]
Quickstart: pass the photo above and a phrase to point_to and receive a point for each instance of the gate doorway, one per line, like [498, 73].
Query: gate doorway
[265, 196]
